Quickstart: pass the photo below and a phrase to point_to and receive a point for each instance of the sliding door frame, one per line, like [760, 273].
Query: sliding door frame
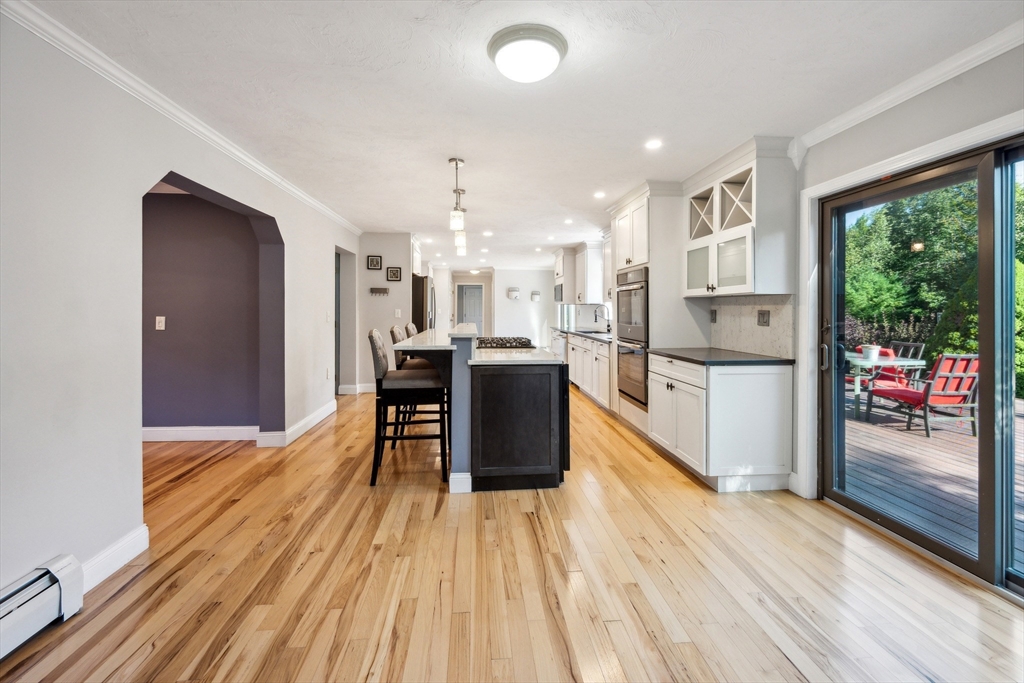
[995, 437]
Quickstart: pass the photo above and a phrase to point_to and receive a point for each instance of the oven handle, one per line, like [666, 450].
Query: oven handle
[638, 347]
[626, 288]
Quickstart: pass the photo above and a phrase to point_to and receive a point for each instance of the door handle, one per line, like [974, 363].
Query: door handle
[824, 355]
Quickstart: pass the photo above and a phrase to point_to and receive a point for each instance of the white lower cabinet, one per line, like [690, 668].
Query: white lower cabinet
[590, 367]
[737, 432]
[603, 382]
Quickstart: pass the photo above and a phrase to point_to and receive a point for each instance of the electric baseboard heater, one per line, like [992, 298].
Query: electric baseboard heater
[53, 591]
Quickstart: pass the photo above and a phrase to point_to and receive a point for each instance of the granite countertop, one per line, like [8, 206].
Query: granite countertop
[712, 356]
[604, 337]
[437, 339]
[514, 357]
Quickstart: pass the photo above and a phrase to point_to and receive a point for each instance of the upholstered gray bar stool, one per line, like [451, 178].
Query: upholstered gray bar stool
[410, 329]
[402, 361]
[405, 390]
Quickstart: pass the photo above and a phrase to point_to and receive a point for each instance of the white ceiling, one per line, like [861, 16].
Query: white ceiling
[361, 104]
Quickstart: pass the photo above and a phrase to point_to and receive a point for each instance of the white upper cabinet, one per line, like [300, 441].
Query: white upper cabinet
[589, 275]
[741, 226]
[608, 270]
[559, 267]
[632, 236]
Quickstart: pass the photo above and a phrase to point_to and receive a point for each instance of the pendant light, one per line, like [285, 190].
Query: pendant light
[458, 214]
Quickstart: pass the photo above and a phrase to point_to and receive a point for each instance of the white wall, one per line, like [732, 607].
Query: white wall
[77, 153]
[525, 318]
[395, 249]
[442, 297]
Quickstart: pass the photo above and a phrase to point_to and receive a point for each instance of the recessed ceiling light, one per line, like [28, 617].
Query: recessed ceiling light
[551, 237]
[473, 272]
[538, 248]
[652, 144]
[599, 195]
[437, 254]
[568, 221]
[444, 264]
[484, 251]
[488, 233]
[483, 260]
[527, 53]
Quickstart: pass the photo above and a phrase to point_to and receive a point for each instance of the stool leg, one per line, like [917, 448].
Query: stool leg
[399, 410]
[444, 437]
[378, 440]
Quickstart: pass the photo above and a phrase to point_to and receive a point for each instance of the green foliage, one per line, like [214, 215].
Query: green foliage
[957, 331]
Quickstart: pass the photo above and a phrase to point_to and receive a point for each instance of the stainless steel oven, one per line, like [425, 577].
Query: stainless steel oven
[631, 300]
[631, 324]
[632, 364]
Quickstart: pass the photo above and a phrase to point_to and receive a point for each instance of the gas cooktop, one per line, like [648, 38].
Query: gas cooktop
[504, 343]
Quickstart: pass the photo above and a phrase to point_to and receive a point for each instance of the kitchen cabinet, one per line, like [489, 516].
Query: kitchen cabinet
[590, 367]
[565, 274]
[730, 423]
[589, 274]
[632, 235]
[607, 270]
[742, 228]
[603, 378]
[559, 266]
[587, 367]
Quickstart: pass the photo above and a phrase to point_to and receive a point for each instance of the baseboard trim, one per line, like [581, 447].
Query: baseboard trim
[348, 389]
[460, 482]
[282, 439]
[367, 388]
[200, 433]
[114, 556]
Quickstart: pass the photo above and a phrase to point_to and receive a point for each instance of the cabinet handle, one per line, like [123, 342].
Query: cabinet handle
[669, 360]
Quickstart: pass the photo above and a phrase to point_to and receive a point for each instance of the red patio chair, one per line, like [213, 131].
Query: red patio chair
[884, 375]
[951, 385]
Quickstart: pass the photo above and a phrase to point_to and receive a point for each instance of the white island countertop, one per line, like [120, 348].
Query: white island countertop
[514, 357]
[437, 339]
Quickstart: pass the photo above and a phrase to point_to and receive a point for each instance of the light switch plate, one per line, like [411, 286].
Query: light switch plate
[764, 318]
[398, 312]
[714, 315]
[161, 322]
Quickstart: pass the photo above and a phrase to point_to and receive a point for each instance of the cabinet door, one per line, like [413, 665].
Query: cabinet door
[623, 241]
[698, 267]
[661, 412]
[573, 365]
[608, 272]
[690, 425]
[558, 265]
[734, 261]
[587, 371]
[581, 277]
[603, 381]
[639, 235]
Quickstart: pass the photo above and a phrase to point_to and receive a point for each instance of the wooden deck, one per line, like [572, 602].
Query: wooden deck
[930, 484]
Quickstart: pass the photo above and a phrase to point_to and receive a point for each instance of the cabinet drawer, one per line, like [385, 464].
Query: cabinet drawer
[603, 350]
[680, 370]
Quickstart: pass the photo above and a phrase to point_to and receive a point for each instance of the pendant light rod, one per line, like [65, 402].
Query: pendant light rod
[457, 163]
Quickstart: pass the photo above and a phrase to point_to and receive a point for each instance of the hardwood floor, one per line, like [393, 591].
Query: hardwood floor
[284, 565]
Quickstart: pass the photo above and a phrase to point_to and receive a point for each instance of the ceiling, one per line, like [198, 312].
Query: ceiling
[361, 104]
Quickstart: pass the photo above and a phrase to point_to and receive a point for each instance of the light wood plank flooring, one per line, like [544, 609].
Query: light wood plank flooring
[284, 565]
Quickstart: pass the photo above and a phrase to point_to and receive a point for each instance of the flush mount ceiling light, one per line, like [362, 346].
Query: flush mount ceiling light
[474, 272]
[527, 53]
[458, 214]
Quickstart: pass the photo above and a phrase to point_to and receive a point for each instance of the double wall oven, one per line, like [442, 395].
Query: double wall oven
[631, 322]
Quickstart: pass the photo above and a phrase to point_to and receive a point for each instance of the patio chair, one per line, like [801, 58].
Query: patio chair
[892, 376]
[951, 385]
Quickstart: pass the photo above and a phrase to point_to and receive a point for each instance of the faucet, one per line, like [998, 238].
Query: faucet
[605, 316]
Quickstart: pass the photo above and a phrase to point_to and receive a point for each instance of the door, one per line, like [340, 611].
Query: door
[623, 241]
[698, 267]
[603, 380]
[734, 261]
[608, 273]
[631, 361]
[581, 277]
[574, 365]
[471, 305]
[661, 411]
[638, 235]
[690, 418]
[916, 376]
[632, 312]
[558, 265]
[586, 369]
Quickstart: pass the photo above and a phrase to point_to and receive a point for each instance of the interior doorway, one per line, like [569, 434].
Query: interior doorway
[470, 305]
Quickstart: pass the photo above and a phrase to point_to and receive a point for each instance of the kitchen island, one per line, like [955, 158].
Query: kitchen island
[509, 410]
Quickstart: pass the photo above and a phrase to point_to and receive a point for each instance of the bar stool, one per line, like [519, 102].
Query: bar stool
[405, 390]
[410, 329]
[402, 361]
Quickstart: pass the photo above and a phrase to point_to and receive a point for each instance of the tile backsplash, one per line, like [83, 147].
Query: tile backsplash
[736, 325]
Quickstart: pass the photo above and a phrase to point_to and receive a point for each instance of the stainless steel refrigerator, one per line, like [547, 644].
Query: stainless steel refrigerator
[423, 305]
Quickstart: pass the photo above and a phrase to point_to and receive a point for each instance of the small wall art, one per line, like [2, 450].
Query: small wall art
[373, 262]
[394, 274]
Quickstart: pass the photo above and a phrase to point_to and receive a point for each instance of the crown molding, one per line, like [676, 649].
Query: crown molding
[1010, 37]
[43, 25]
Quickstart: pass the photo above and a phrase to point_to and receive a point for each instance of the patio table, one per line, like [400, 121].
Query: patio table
[858, 363]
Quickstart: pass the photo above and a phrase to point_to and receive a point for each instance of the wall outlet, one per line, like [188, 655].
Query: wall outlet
[161, 322]
[714, 315]
[764, 318]
[398, 312]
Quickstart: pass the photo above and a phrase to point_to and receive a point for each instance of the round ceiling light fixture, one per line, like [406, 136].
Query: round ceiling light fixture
[527, 53]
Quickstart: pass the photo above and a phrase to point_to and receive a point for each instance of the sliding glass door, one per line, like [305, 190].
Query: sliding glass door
[917, 334]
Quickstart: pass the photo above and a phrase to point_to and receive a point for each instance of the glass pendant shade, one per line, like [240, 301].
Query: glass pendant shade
[460, 251]
[460, 239]
[458, 219]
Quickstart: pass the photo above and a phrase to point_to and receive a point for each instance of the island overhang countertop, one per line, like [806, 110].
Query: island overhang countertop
[433, 339]
[514, 356]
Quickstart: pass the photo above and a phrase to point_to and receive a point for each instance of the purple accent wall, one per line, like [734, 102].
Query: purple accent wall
[200, 269]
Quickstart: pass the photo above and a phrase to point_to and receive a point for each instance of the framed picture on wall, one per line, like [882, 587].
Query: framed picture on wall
[394, 274]
[373, 262]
